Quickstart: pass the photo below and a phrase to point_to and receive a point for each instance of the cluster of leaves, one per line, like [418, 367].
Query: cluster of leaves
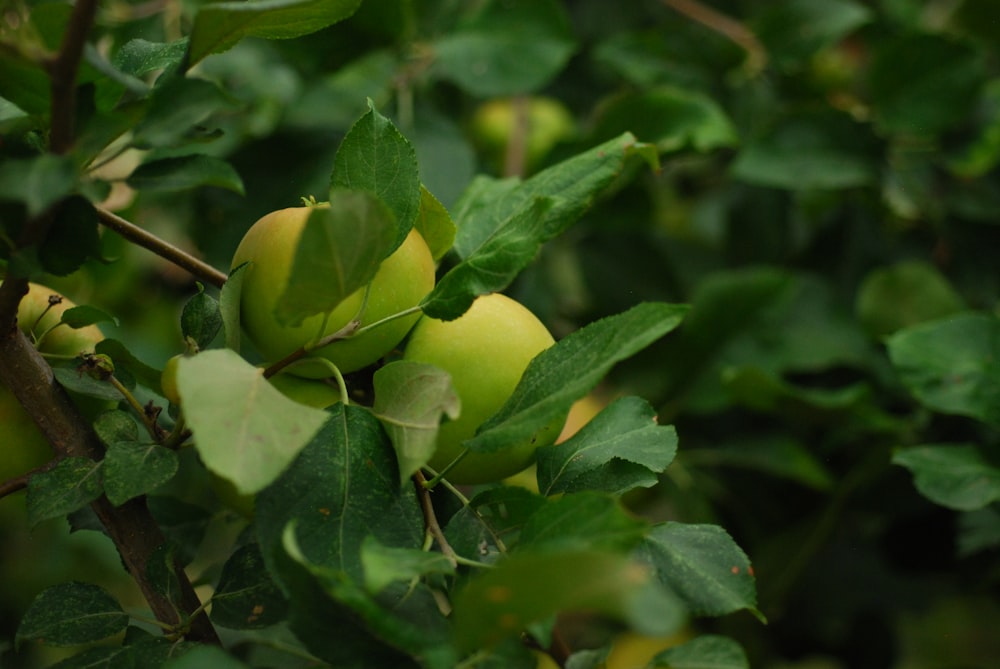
[340, 556]
[827, 205]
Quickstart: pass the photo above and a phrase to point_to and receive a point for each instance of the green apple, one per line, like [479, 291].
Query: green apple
[22, 445]
[548, 122]
[486, 351]
[402, 280]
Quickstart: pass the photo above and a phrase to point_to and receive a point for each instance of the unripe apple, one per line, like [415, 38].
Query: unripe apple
[547, 122]
[22, 445]
[402, 280]
[486, 351]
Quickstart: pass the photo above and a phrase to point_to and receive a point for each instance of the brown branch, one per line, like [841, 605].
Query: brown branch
[728, 27]
[62, 76]
[151, 242]
[430, 517]
[136, 535]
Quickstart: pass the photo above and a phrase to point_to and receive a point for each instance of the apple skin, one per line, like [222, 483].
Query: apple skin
[486, 351]
[402, 280]
[22, 446]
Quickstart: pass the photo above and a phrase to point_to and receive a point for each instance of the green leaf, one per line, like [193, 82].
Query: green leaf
[200, 657]
[70, 485]
[669, 117]
[218, 26]
[184, 525]
[138, 56]
[410, 400]
[506, 47]
[246, 598]
[69, 614]
[338, 253]
[764, 391]
[703, 565]
[24, 83]
[481, 530]
[944, 78]
[434, 224]
[84, 315]
[529, 587]
[161, 573]
[709, 651]
[201, 318]
[375, 157]
[905, 294]
[125, 360]
[72, 239]
[384, 565]
[148, 652]
[776, 455]
[492, 266]
[621, 448]
[337, 618]
[582, 521]
[113, 426]
[185, 172]
[951, 365]
[826, 149]
[342, 487]
[957, 476]
[567, 371]
[132, 469]
[244, 429]
[793, 30]
[229, 306]
[488, 205]
[176, 107]
[39, 182]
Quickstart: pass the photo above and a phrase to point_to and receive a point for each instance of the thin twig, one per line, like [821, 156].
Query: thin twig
[430, 518]
[151, 242]
[728, 27]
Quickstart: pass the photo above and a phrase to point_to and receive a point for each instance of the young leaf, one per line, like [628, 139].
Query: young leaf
[384, 565]
[709, 651]
[339, 252]
[342, 487]
[218, 26]
[584, 521]
[506, 48]
[410, 399]
[72, 613]
[70, 485]
[112, 426]
[567, 371]
[201, 318]
[621, 448]
[246, 598]
[950, 365]
[704, 566]
[184, 173]
[244, 429]
[375, 157]
[529, 587]
[957, 476]
[132, 469]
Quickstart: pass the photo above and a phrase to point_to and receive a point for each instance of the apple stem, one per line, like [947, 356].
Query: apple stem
[148, 419]
[430, 518]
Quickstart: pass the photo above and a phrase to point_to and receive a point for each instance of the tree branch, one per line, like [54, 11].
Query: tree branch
[62, 76]
[151, 242]
[728, 27]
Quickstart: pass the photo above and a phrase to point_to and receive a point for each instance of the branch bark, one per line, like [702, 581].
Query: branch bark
[728, 27]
